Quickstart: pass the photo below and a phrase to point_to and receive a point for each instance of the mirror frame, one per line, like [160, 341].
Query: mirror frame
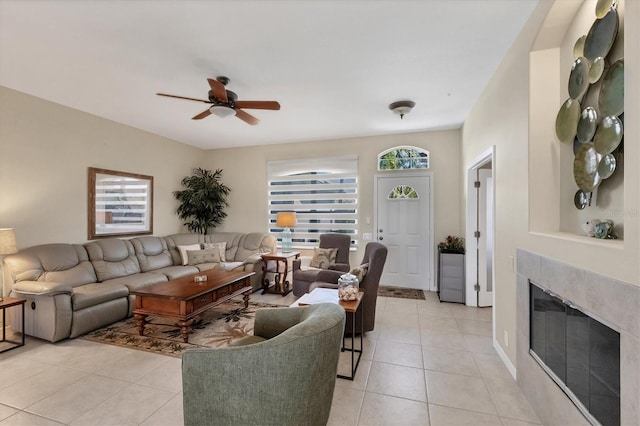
[101, 221]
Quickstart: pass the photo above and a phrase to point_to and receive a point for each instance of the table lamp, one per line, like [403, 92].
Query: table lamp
[7, 246]
[286, 220]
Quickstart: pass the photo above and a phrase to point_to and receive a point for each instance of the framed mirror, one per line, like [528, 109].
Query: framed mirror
[120, 204]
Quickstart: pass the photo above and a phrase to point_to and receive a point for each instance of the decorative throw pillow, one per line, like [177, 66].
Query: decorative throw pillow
[323, 257]
[222, 248]
[196, 257]
[183, 252]
[360, 271]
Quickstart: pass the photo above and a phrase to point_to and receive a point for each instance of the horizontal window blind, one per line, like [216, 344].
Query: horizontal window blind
[121, 201]
[322, 192]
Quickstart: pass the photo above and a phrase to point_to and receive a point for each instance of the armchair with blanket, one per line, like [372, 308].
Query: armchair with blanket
[306, 270]
[368, 273]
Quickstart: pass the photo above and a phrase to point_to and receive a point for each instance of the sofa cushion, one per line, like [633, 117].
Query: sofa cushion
[152, 253]
[112, 258]
[184, 239]
[222, 250]
[196, 257]
[255, 243]
[184, 260]
[94, 294]
[173, 272]
[233, 241]
[360, 271]
[60, 263]
[323, 257]
[136, 281]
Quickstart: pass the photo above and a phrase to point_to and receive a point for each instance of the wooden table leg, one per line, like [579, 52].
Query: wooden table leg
[140, 322]
[245, 298]
[185, 329]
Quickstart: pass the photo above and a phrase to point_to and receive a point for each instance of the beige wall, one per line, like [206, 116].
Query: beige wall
[245, 171]
[500, 118]
[45, 150]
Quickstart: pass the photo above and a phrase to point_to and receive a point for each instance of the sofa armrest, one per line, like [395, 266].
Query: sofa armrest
[329, 276]
[343, 267]
[41, 288]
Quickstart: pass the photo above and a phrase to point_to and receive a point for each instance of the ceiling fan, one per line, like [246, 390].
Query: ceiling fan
[225, 102]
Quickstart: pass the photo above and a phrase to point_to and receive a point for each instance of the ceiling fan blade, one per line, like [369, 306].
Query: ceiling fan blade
[202, 115]
[258, 104]
[218, 89]
[183, 97]
[246, 117]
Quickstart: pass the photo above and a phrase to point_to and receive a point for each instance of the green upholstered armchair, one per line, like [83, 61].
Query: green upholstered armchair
[282, 375]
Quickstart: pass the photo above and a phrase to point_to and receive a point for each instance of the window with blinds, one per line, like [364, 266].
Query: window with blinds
[323, 192]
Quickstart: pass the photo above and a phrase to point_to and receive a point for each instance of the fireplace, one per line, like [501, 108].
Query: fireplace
[578, 345]
[580, 353]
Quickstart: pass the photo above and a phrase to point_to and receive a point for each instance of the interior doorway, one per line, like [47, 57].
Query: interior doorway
[404, 223]
[480, 231]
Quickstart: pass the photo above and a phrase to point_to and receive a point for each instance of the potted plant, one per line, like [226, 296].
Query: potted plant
[452, 244]
[203, 200]
[451, 273]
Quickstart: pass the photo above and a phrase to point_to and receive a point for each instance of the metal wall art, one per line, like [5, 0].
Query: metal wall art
[592, 118]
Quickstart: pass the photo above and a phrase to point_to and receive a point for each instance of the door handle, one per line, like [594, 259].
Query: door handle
[380, 238]
[379, 230]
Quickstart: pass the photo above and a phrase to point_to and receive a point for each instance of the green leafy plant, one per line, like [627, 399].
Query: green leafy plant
[203, 201]
[453, 244]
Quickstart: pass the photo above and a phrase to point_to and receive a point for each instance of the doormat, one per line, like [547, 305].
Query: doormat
[217, 327]
[400, 292]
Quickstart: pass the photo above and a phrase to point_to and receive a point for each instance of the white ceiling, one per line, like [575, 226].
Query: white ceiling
[334, 66]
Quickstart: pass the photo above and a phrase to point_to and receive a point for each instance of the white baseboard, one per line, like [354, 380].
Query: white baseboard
[505, 359]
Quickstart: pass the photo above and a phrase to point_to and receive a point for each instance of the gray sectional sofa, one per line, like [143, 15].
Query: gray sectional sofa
[72, 289]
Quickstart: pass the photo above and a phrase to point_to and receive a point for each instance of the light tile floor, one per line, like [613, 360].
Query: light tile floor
[426, 363]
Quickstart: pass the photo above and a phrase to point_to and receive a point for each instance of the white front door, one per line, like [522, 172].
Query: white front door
[403, 223]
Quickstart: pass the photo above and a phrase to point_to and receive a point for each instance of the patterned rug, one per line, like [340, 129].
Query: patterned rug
[403, 293]
[217, 327]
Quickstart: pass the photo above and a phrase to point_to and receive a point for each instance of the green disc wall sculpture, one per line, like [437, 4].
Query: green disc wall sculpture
[591, 118]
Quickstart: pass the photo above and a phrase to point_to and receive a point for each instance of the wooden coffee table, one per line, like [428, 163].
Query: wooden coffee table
[184, 299]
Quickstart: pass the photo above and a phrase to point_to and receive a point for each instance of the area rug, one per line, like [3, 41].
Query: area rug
[217, 327]
[403, 293]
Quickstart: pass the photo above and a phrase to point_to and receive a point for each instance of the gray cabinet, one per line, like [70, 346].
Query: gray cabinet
[451, 282]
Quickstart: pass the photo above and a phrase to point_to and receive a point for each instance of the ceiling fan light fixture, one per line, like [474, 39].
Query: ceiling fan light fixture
[402, 108]
[222, 111]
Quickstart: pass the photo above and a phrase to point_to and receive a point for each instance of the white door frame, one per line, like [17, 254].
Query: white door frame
[471, 272]
[430, 246]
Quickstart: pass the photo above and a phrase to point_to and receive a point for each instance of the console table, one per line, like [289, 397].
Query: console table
[281, 284]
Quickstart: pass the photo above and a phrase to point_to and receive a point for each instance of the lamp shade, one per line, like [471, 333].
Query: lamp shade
[7, 241]
[286, 219]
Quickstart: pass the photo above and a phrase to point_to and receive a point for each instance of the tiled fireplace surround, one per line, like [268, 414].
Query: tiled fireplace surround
[615, 302]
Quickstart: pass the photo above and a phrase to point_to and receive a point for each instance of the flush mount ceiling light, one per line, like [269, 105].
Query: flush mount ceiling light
[222, 111]
[402, 107]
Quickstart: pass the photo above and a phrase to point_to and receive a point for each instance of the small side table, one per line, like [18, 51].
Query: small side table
[282, 285]
[352, 308]
[9, 302]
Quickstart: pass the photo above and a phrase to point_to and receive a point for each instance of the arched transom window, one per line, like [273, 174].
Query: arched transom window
[403, 158]
[403, 192]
